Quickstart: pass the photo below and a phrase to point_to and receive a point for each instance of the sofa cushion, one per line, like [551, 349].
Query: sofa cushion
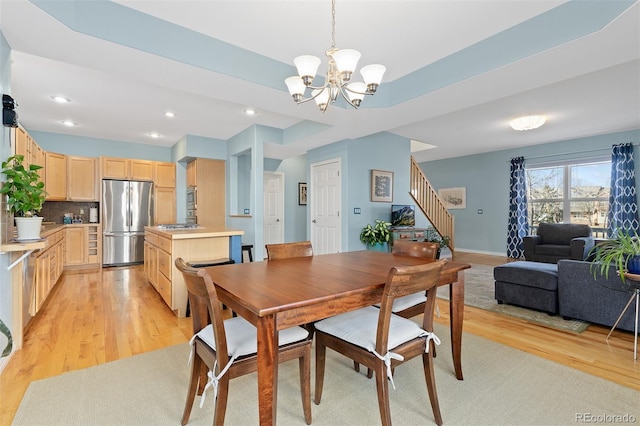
[562, 233]
[531, 274]
[552, 250]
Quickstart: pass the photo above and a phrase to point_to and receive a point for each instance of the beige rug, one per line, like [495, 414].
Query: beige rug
[502, 386]
[479, 291]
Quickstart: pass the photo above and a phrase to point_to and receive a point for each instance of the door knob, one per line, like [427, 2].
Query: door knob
[314, 221]
[277, 220]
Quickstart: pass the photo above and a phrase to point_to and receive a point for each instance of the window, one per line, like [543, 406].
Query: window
[571, 193]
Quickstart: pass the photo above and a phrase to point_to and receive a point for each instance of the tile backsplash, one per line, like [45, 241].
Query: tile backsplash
[53, 211]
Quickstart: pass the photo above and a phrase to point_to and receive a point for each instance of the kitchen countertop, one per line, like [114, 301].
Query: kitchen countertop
[185, 234]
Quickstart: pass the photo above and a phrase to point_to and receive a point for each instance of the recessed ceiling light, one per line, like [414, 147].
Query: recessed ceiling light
[61, 99]
[250, 111]
[154, 135]
[169, 114]
[528, 122]
[69, 123]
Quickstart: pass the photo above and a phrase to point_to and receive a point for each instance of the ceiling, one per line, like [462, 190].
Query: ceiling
[457, 71]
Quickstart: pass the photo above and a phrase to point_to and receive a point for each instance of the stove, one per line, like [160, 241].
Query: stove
[179, 226]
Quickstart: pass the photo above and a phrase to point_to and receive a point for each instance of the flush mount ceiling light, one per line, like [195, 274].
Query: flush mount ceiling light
[250, 111]
[69, 123]
[169, 114]
[528, 122]
[61, 99]
[342, 64]
[154, 135]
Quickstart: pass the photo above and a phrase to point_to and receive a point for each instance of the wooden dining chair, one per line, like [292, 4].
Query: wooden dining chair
[223, 350]
[410, 305]
[289, 250]
[381, 340]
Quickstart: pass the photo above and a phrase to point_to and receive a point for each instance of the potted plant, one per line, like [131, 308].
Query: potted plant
[622, 252]
[442, 241]
[377, 236]
[25, 196]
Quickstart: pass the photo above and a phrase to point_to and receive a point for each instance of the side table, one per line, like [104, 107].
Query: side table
[635, 283]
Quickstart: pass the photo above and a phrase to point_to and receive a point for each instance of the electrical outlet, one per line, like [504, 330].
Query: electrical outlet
[480, 211]
[246, 211]
[356, 210]
[81, 211]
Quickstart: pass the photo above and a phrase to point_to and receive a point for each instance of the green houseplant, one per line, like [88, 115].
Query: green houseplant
[25, 195]
[376, 236]
[622, 251]
[442, 241]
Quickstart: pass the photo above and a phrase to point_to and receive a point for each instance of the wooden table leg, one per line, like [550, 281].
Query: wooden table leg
[456, 315]
[267, 370]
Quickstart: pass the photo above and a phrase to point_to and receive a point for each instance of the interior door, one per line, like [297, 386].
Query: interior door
[273, 231]
[325, 207]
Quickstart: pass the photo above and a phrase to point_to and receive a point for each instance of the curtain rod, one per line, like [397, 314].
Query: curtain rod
[573, 152]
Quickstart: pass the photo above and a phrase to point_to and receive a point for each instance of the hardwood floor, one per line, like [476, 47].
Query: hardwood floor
[99, 316]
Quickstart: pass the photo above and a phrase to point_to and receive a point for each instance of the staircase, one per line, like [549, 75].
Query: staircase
[430, 203]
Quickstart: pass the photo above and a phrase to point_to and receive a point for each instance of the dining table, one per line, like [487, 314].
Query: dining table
[277, 294]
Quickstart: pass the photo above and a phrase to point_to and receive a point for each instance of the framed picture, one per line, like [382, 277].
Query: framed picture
[302, 193]
[381, 186]
[454, 198]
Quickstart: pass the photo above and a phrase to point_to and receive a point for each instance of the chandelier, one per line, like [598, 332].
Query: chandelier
[342, 64]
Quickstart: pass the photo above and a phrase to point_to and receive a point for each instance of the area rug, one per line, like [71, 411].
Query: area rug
[501, 386]
[479, 291]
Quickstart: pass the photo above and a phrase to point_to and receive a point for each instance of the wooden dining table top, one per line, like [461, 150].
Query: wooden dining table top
[269, 287]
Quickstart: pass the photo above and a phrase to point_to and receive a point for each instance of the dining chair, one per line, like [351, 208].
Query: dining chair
[289, 250]
[410, 305]
[382, 340]
[223, 350]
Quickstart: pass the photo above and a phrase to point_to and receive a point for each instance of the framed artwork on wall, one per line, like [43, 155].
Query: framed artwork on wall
[381, 186]
[302, 193]
[454, 198]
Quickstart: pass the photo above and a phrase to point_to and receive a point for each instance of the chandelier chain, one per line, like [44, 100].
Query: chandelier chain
[333, 23]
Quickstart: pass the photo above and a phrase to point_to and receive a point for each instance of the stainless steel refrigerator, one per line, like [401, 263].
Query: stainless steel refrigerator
[127, 208]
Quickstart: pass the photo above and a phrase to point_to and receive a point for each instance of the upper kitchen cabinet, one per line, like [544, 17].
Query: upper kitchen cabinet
[56, 176]
[125, 168]
[82, 176]
[164, 174]
[27, 147]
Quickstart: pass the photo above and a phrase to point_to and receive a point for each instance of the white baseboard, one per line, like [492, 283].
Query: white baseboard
[490, 253]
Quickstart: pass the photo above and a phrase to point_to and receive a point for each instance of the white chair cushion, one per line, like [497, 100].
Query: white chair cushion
[241, 336]
[404, 302]
[359, 327]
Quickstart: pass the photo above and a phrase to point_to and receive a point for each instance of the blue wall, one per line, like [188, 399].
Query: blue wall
[486, 178]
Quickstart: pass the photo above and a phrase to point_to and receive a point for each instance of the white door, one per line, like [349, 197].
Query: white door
[325, 207]
[273, 230]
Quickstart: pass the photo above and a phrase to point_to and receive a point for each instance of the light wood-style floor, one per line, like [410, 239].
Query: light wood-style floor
[99, 316]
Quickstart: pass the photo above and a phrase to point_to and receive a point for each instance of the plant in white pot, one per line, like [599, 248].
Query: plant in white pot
[25, 196]
[376, 236]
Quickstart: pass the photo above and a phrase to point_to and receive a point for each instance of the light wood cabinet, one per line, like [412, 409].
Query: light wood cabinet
[209, 177]
[82, 178]
[32, 152]
[48, 268]
[83, 245]
[165, 205]
[56, 176]
[141, 170]
[164, 174]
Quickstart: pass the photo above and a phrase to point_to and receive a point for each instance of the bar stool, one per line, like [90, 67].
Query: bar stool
[247, 248]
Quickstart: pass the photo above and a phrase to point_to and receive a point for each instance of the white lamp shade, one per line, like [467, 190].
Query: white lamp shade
[307, 65]
[346, 60]
[372, 74]
[356, 91]
[295, 85]
[323, 96]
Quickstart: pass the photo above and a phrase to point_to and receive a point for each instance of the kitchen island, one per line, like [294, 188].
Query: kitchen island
[163, 246]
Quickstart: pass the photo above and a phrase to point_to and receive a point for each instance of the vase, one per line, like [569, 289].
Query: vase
[28, 228]
[378, 247]
[633, 265]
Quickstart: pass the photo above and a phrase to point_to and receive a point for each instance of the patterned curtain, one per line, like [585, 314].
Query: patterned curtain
[518, 217]
[623, 203]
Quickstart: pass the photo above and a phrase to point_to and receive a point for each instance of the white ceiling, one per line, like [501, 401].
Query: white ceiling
[587, 86]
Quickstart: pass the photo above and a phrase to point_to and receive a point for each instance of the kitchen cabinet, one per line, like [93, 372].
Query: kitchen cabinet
[209, 177]
[125, 168]
[141, 170]
[27, 147]
[48, 267]
[165, 205]
[82, 178]
[56, 176]
[83, 248]
[164, 174]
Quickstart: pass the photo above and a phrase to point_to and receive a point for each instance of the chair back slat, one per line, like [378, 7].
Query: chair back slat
[404, 280]
[205, 306]
[424, 249]
[289, 250]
